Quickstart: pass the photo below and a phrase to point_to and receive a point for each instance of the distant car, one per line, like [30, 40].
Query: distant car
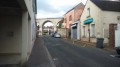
[57, 35]
[52, 34]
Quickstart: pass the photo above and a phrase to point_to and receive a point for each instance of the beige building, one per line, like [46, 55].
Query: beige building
[18, 30]
[96, 20]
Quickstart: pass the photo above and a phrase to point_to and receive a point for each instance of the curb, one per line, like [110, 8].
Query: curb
[91, 45]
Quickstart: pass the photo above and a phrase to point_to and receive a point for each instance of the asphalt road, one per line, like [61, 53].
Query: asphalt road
[65, 54]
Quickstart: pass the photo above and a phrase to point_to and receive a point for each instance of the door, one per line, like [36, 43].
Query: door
[112, 35]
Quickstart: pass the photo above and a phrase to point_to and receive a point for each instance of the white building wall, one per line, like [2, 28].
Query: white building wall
[18, 33]
[28, 30]
[101, 19]
[95, 13]
[25, 35]
[108, 17]
[117, 36]
[10, 39]
[32, 15]
[8, 42]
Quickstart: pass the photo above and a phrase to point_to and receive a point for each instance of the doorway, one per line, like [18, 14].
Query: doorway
[112, 34]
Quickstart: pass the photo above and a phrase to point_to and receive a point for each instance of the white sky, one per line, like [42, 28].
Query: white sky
[48, 24]
[55, 8]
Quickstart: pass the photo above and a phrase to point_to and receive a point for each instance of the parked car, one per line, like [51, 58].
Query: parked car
[52, 34]
[57, 35]
[118, 50]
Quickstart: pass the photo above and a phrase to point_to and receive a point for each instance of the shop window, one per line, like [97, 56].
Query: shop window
[92, 30]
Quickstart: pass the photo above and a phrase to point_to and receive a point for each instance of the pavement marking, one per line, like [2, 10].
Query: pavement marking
[55, 59]
[117, 56]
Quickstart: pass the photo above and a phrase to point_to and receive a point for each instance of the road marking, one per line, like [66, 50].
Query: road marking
[117, 56]
[55, 59]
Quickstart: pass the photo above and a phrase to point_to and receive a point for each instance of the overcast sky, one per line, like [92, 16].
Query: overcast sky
[55, 8]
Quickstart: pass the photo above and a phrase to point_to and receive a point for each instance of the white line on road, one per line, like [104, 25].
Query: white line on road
[118, 56]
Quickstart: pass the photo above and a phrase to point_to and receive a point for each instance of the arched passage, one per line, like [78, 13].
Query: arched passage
[42, 21]
[47, 27]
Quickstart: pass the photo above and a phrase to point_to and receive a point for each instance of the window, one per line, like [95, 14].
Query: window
[88, 9]
[70, 18]
[65, 20]
[93, 30]
[83, 31]
[34, 6]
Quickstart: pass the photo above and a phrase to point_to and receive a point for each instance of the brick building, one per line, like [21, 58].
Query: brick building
[72, 16]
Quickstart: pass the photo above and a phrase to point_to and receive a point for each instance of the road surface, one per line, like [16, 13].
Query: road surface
[65, 54]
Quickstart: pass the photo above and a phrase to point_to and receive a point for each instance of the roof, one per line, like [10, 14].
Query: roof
[80, 4]
[108, 5]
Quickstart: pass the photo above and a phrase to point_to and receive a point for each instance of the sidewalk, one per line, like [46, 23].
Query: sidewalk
[90, 45]
[40, 56]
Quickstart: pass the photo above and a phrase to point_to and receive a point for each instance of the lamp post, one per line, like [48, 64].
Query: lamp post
[89, 32]
[89, 25]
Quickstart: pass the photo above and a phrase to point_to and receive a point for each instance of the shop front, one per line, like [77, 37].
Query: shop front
[75, 30]
[87, 22]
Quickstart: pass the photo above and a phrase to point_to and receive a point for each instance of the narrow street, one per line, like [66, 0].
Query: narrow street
[68, 55]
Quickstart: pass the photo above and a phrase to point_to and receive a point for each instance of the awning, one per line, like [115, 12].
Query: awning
[74, 26]
[88, 21]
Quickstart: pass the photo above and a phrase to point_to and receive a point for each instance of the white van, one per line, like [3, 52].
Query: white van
[117, 38]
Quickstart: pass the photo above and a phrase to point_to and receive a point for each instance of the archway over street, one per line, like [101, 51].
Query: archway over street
[42, 21]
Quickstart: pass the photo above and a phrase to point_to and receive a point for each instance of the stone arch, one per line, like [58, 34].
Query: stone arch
[45, 23]
[42, 21]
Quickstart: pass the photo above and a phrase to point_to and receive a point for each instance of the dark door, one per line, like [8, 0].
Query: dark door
[74, 33]
[112, 35]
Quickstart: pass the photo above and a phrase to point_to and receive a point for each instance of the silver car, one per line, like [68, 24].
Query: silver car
[57, 35]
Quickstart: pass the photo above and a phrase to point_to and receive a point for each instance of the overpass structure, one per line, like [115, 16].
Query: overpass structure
[42, 21]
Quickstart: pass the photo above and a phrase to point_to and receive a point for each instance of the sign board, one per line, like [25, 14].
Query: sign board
[88, 21]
